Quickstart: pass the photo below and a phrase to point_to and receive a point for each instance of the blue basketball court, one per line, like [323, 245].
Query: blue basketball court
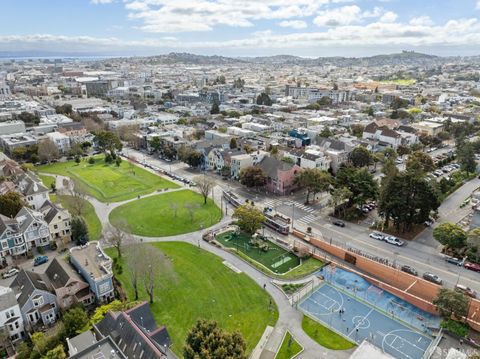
[357, 321]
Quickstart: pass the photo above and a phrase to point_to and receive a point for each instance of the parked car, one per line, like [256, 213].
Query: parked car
[339, 223]
[409, 270]
[466, 290]
[432, 278]
[40, 260]
[10, 273]
[472, 266]
[378, 236]
[394, 240]
[453, 260]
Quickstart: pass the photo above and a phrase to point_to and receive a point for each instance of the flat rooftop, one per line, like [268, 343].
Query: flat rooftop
[92, 259]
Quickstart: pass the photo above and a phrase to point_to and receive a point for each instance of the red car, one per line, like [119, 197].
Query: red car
[472, 266]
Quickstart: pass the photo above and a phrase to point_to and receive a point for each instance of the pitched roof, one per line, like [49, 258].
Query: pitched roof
[26, 282]
[59, 272]
[271, 166]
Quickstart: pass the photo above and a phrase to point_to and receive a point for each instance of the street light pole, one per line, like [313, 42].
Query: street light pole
[293, 214]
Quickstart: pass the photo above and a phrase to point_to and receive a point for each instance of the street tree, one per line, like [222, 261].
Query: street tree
[451, 302]
[206, 340]
[79, 230]
[253, 176]
[420, 161]
[233, 143]
[155, 144]
[406, 199]
[466, 157]
[325, 132]
[360, 157]
[338, 198]
[314, 181]
[450, 235]
[249, 218]
[11, 203]
[215, 110]
[403, 150]
[264, 99]
[359, 182]
[47, 150]
[205, 185]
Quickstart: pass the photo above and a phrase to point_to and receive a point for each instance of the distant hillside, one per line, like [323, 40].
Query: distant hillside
[187, 58]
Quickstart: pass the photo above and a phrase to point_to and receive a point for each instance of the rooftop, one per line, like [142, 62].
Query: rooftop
[93, 259]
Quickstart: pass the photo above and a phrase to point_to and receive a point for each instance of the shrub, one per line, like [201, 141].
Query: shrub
[91, 160]
[456, 328]
[41, 250]
[108, 158]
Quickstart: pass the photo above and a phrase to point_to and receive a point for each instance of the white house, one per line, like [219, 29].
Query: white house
[60, 140]
[10, 315]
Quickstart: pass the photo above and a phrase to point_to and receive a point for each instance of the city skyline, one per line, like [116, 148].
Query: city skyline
[351, 28]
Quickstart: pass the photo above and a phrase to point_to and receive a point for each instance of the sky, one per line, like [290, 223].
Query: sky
[310, 28]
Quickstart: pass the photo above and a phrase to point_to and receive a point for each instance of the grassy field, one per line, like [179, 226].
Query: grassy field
[324, 336]
[203, 287]
[47, 180]
[109, 183]
[155, 216]
[89, 215]
[276, 259]
[287, 352]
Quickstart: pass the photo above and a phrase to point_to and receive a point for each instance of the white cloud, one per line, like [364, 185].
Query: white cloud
[478, 5]
[389, 16]
[204, 15]
[97, 2]
[294, 24]
[421, 21]
[340, 16]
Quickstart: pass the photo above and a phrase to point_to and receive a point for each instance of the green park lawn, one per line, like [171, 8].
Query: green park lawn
[203, 287]
[155, 216]
[287, 352]
[47, 180]
[109, 183]
[89, 216]
[324, 336]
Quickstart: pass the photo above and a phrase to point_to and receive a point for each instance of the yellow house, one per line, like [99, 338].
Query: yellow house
[58, 220]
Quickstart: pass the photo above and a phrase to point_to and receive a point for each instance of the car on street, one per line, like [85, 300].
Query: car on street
[339, 223]
[432, 278]
[394, 240]
[472, 266]
[10, 273]
[409, 270]
[40, 260]
[453, 260]
[466, 290]
[378, 236]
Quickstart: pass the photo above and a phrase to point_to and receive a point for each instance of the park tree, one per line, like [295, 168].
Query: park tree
[253, 176]
[74, 321]
[314, 181]
[47, 150]
[451, 302]
[206, 340]
[450, 235]
[360, 157]
[11, 203]
[79, 230]
[466, 157]
[233, 143]
[407, 199]
[249, 218]
[205, 185]
[77, 198]
[117, 236]
[420, 161]
[359, 182]
[108, 142]
[264, 99]
[153, 262]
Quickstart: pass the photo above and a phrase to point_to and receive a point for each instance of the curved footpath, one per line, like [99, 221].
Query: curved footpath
[289, 318]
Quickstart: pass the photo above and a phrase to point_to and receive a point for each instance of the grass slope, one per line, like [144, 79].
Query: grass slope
[324, 336]
[109, 183]
[285, 352]
[47, 180]
[154, 217]
[205, 288]
[91, 219]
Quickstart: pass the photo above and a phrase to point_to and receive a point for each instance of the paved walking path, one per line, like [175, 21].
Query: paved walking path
[289, 318]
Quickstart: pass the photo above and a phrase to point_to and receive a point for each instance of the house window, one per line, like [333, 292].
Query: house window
[38, 301]
[104, 287]
[55, 226]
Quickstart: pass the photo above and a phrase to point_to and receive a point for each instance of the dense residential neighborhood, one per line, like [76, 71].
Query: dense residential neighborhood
[194, 206]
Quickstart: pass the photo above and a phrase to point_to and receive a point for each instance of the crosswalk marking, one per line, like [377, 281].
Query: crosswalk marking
[276, 202]
[307, 219]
